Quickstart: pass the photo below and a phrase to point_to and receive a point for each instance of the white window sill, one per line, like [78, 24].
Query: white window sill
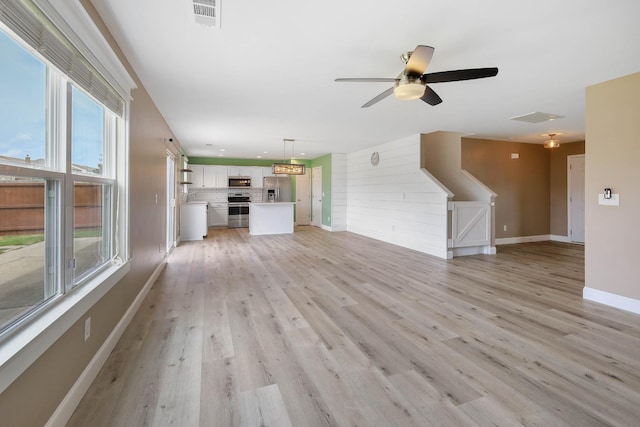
[20, 348]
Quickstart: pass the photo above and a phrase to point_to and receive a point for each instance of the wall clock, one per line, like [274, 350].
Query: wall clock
[375, 158]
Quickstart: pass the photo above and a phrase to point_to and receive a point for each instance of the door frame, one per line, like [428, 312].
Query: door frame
[316, 172]
[171, 213]
[303, 182]
[569, 203]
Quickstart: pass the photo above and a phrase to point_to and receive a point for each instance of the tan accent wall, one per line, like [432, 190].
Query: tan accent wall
[440, 154]
[613, 160]
[34, 396]
[522, 184]
[558, 186]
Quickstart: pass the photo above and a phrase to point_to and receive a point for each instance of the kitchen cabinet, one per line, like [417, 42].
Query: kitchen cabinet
[193, 221]
[206, 176]
[239, 170]
[218, 215]
[256, 177]
[222, 177]
[209, 177]
[197, 175]
[267, 171]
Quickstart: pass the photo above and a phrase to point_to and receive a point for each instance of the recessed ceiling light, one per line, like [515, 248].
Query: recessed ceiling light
[303, 154]
[265, 152]
[220, 155]
[222, 149]
[259, 157]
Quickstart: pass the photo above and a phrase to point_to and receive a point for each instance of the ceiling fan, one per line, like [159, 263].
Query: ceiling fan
[412, 82]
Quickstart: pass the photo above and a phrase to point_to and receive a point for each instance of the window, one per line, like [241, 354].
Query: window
[23, 80]
[59, 174]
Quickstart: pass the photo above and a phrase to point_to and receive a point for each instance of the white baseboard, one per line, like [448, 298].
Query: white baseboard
[557, 238]
[522, 239]
[473, 250]
[63, 412]
[612, 300]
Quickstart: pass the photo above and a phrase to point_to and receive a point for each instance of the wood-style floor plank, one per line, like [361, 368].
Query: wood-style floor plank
[335, 329]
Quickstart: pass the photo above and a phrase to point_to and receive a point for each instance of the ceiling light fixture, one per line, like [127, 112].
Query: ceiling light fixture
[288, 168]
[408, 88]
[551, 143]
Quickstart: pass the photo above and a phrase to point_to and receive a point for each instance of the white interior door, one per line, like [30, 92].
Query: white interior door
[575, 202]
[316, 196]
[303, 199]
[171, 202]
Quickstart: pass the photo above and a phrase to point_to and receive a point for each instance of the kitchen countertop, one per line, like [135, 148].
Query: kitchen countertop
[273, 203]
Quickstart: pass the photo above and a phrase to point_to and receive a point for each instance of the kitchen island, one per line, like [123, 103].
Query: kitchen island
[271, 218]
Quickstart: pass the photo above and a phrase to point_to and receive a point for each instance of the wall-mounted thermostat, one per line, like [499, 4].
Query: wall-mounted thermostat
[608, 198]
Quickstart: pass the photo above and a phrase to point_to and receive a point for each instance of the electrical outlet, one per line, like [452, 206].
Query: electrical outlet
[505, 227]
[87, 328]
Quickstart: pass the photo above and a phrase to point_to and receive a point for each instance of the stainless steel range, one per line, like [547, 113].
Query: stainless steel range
[238, 209]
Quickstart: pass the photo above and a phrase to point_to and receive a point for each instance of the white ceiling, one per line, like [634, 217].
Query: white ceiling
[268, 73]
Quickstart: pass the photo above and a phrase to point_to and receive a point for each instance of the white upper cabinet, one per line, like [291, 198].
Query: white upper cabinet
[256, 177]
[210, 179]
[214, 176]
[197, 176]
[267, 171]
[240, 170]
[222, 177]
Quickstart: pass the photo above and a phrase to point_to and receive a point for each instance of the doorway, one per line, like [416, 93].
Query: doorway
[303, 199]
[316, 196]
[171, 202]
[575, 198]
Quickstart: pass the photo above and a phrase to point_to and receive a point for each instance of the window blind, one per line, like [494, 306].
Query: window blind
[32, 26]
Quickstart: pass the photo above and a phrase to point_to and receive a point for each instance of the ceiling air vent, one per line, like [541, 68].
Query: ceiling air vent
[207, 12]
[536, 117]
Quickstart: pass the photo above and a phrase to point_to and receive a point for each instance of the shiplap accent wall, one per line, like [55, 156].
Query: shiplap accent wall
[338, 192]
[396, 201]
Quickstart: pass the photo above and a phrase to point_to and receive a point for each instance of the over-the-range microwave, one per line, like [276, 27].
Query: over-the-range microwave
[239, 181]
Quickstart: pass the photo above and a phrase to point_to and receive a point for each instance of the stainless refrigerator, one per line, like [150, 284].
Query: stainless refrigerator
[276, 189]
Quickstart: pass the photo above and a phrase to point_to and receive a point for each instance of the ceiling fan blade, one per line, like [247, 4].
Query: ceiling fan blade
[430, 97]
[457, 75]
[380, 97]
[419, 60]
[367, 79]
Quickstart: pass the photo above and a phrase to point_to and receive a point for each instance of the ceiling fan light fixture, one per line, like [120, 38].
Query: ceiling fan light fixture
[408, 91]
[408, 87]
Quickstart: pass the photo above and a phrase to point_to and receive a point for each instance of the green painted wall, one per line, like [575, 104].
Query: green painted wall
[325, 162]
[233, 162]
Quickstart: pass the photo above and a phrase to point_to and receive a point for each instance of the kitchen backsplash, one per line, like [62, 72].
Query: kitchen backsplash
[217, 195]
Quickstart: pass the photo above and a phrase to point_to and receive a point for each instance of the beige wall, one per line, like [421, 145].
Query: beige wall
[613, 160]
[522, 185]
[558, 186]
[32, 398]
[440, 154]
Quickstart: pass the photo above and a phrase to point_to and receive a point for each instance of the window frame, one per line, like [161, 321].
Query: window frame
[23, 343]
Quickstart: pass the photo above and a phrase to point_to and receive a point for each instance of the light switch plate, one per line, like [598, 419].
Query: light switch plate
[613, 201]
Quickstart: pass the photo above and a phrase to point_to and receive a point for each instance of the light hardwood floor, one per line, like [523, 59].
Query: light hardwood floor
[335, 329]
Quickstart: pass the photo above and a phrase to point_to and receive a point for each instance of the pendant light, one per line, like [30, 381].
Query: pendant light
[287, 168]
[551, 143]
